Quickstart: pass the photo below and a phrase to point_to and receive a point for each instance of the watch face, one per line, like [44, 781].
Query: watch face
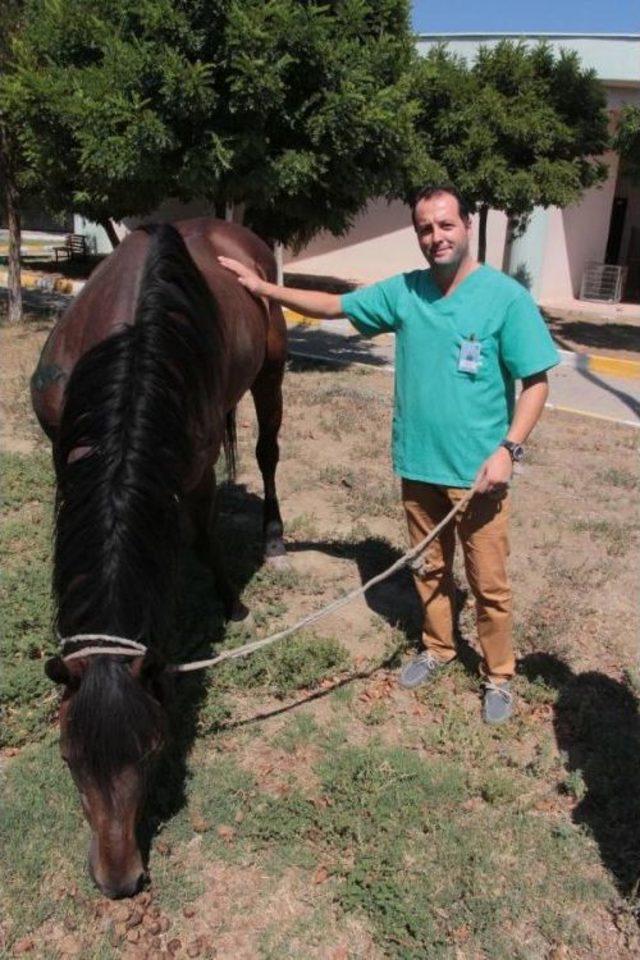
[516, 450]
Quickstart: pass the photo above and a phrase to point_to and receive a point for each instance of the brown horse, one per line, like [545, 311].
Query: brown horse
[136, 388]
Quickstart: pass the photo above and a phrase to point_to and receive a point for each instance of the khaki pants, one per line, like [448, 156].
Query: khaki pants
[483, 531]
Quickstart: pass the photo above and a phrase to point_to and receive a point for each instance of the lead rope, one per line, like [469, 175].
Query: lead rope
[122, 646]
[410, 558]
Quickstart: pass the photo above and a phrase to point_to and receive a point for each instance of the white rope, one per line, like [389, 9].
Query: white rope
[116, 646]
[125, 647]
[409, 556]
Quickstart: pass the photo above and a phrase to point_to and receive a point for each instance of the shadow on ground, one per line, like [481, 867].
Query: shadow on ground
[199, 629]
[334, 348]
[597, 727]
[605, 336]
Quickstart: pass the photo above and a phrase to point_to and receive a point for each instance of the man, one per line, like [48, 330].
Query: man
[464, 333]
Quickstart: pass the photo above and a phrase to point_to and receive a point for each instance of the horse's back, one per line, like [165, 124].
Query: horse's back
[254, 332]
[106, 303]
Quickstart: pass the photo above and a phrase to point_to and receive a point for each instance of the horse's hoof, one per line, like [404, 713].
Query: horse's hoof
[278, 562]
[275, 548]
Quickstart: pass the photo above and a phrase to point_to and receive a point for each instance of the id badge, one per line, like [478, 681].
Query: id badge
[470, 356]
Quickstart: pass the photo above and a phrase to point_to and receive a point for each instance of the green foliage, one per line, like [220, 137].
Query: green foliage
[300, 661]
[299, 111]
[627, 141]
[25, 478]
[321, 112]
[521, 127]
[299, 732]
[113, 104]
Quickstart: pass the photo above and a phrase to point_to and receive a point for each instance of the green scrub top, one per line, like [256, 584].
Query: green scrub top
[448, 420]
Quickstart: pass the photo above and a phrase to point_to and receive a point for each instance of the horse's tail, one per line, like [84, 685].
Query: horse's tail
[134, 406]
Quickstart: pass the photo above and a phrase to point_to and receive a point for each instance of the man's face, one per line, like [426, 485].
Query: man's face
[442, 233]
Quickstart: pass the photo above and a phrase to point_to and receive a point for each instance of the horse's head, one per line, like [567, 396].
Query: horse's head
[111, 727]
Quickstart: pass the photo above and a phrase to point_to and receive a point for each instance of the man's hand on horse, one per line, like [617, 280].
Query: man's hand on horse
[495, 473]
[246, 276]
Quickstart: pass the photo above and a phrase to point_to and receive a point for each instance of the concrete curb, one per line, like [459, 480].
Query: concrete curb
[594, 363]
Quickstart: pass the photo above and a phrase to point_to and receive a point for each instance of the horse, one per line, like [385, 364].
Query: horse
[136, 388]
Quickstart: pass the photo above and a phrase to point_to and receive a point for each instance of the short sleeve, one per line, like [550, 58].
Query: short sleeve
[526, 347]
[373, 309]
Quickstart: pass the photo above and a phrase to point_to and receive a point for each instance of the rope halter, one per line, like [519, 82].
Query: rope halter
[111, 646]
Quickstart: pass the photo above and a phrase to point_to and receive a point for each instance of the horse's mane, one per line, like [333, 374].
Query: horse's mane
[133, 406]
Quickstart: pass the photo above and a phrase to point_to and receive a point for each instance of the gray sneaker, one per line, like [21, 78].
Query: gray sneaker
[420, 670]
[498, 702]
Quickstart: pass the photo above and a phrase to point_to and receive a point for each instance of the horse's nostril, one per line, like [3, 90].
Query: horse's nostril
[121, 891]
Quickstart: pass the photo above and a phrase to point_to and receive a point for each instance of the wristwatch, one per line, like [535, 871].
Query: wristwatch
[516, 450]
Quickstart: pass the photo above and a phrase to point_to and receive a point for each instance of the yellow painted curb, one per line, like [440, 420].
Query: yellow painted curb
[30, 280]
[614, 366]
[297, 320]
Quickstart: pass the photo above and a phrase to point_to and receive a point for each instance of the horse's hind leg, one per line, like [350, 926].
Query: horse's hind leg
[267, 397]
[203, 512]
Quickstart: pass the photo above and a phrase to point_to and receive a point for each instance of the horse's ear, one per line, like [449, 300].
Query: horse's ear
[149, 667]
[57, 670]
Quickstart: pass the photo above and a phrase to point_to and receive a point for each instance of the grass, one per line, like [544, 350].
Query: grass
[399, 827]
[27, 697]
[615, 477]
[444, 856]
[301, 663]
[617, 537]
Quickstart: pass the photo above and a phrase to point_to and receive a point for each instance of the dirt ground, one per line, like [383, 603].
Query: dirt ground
[574, 571]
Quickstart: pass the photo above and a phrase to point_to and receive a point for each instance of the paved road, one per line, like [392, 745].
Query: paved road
[581, 391]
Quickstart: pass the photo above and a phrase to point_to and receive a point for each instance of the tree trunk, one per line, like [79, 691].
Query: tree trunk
[278, 251]
[110, 230]
[482, 232]
[228, 212]
[508, 245]
[12, 208]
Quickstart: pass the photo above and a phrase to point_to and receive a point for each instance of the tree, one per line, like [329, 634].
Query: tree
[320, 112]
[116, 106]
[11, 24]
[626, 141]
[522, 127]
[300, 111]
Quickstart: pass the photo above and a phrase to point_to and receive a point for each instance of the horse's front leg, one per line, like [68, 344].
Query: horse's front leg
[202, 504]
[267, 397]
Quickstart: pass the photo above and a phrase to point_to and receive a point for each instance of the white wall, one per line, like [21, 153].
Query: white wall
[381, 243]
[575, 236]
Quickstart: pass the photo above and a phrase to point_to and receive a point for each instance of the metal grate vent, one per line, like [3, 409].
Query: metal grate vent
[603, 281]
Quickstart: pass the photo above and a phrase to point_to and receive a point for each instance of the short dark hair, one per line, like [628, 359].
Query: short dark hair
[465, 208]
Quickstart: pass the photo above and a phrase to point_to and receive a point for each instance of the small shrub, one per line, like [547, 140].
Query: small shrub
[294, 663]
[498, 787]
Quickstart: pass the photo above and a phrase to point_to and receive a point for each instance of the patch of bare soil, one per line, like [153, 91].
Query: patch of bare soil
[20, 348]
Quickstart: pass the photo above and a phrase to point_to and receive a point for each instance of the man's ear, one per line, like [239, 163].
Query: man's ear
[57, 670]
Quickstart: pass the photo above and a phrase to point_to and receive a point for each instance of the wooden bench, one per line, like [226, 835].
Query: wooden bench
[75, 247]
